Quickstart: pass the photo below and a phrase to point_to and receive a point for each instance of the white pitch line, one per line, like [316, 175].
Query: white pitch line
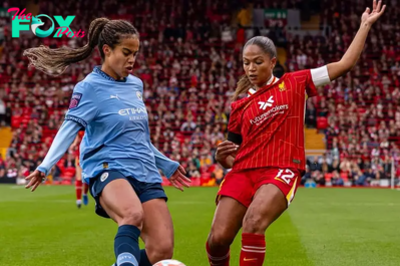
[352, 204]
[42, 201]
[16, 187]
[188, 202]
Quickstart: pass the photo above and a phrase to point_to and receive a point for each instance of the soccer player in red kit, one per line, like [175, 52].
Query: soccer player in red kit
[79, 185]
[265, 146]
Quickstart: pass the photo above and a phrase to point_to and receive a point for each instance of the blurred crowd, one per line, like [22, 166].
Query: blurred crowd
[190, 62]
[359, 113]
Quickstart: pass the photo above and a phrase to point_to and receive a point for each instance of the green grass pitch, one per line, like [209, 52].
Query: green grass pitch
[322, 227]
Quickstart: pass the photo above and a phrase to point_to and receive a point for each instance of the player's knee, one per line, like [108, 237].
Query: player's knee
[219, 239]
[160, 251]
[255, 224]
[132, 216]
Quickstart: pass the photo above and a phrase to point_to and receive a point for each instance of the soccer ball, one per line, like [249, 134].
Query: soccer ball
[169, 263]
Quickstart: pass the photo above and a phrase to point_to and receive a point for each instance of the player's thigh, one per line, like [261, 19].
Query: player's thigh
[268, 204]
[158, 230]
[121, 203]
[227, 221]
[275, 189]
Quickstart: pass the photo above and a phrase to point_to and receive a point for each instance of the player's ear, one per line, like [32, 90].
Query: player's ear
[106, 50]
[273, 62]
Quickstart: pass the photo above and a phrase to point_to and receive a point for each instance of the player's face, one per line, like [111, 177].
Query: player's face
[121, 59]
[258, 65]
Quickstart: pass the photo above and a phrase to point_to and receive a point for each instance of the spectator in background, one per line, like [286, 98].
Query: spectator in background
[244, 16]
[7, 116]
[218, 174]
[2, 113]
[12, 168]
[311, 112]
[216, 136]
[192, 171]
[306, 176]
[336, 179]
[365, 178]
[314, 164]
[2, 166]
[335, 167]
[188, 125]
[70, 161]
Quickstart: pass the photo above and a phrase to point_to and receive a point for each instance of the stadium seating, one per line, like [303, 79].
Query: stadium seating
[190, 73]
[174, 64]
[359, 113]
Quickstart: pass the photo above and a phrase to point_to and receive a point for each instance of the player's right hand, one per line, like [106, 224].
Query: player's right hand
[226, 149]
[179, 180]
[35, 179]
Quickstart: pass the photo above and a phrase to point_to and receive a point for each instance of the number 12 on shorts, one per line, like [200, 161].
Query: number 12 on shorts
[286, 175]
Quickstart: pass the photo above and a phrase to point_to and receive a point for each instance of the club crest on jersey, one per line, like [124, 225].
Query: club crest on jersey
[75, 99]
[103, 177]
[139, 95]
[282, 86]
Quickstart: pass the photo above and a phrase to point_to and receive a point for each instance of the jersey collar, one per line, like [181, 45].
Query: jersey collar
[97, 69]
[272, 80]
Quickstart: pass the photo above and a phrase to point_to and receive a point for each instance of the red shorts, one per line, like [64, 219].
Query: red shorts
[243, 184]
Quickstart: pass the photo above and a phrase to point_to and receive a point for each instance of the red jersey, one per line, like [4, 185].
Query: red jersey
[271, 123]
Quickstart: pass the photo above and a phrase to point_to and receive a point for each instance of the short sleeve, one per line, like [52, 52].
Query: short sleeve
[314, 78]
[82, 108]
[141, 85]
[234, 120]
[304, 77]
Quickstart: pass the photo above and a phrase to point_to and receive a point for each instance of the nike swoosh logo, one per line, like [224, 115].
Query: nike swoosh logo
[249, 259]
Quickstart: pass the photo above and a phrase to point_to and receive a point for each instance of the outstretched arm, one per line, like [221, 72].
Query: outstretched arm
[172, 170]
[65, 136]
[353, 53]
[164, 163]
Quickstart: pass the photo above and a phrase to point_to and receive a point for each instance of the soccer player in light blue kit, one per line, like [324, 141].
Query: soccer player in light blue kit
[119, 162]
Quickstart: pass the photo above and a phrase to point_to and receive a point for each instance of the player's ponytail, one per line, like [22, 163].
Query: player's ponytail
[243, 86]
[268, 47]
[101, 31]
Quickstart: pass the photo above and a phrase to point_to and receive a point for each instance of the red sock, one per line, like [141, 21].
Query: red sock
[85, 188]
[78, 189]
[218, 258]
[253, 250]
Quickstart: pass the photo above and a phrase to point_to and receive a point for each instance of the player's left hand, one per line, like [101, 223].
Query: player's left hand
[179, 180]
[377, 11]
[35, 179]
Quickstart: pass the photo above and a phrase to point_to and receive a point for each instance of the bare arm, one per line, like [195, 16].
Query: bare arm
[76, 142]
[228, 162]
[226, 153]
[355, 49]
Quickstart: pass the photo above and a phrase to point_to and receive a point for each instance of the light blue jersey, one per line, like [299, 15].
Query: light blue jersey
[117, 135]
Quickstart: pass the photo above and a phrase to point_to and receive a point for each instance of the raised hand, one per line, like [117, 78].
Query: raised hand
[377, 11]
